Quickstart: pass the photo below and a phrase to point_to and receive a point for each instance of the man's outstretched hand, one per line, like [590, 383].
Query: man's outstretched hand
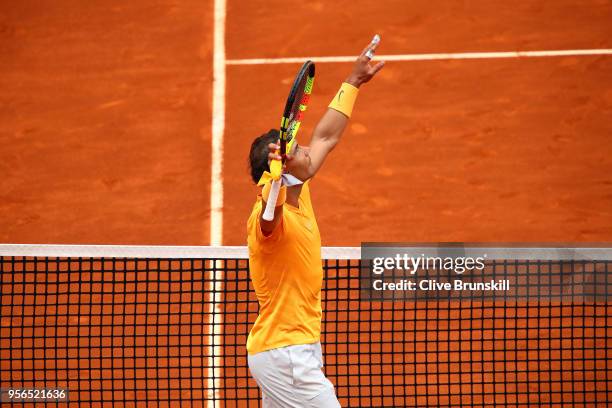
[363, 70]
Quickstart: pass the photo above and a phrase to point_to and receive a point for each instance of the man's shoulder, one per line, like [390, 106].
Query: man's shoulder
[255, 236]
[254, 216]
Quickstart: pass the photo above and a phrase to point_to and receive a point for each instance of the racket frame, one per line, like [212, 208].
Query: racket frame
[290, 124]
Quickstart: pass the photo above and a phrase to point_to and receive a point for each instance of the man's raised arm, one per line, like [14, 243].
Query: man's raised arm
[328, 131]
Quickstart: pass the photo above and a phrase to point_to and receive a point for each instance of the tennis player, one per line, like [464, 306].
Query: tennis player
[285, 259]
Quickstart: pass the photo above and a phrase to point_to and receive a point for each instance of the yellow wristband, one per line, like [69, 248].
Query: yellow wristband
[282, 194]
[345, 99]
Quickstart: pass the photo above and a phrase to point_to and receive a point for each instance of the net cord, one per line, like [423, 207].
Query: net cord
[343, 253]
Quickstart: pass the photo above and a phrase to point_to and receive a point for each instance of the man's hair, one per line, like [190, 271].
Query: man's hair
[258, 156]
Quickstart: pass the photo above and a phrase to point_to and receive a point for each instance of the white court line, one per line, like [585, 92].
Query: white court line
[216, 199]
[218, 125]
[426, 57]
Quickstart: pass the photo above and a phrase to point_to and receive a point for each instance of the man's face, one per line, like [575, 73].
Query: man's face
[300, 163]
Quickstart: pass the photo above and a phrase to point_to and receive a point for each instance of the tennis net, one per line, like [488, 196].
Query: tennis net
[159, 326]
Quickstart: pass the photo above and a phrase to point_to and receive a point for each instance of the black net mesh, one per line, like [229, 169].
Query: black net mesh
[163, 332]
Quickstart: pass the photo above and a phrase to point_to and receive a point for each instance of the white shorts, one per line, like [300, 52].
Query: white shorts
[292, 377]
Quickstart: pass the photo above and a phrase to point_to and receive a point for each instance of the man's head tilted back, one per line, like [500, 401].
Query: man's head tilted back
[258, 155]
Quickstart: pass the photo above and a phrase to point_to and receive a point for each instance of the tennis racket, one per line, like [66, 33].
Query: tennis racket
[296, 105]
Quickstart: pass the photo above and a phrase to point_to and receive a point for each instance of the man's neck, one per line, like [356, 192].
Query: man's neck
[293, 195]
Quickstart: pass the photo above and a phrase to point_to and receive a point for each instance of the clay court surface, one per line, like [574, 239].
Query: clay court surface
[105, 120]
[106, 113]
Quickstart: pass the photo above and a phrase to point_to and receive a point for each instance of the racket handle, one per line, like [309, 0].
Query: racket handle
[268, 214]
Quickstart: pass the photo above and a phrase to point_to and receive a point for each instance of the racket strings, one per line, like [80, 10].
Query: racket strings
[295, 107]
